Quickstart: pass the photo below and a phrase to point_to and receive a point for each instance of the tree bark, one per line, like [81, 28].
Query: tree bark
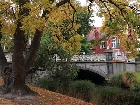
[19, 72]
[33, 50]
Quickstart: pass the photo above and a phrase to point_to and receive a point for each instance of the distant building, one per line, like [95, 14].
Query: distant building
[110, 42]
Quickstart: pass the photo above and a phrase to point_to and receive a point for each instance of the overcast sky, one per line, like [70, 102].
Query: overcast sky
[98, 20]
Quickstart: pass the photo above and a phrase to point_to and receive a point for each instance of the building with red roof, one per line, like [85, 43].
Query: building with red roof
[110, 42]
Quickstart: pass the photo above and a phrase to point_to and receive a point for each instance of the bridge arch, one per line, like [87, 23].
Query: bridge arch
[99, 69]
[90, 75]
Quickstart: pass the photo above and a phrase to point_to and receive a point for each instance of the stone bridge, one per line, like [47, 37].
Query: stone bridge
[104, 64]
[108, 68]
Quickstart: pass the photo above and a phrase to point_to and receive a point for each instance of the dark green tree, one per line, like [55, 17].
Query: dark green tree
[61, 71]
[85, 18]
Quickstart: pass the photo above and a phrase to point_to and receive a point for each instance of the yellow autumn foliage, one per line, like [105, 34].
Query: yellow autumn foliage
[61, 20]
[73, 45]
[64, 25]
[117, 22]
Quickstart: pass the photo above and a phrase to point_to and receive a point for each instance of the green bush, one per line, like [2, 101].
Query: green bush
[137, 74]
[122, 80]
[116, 80]
[135, 86]
[110, 95]
[82, 89]
[131, 98]
[48, 83]
[117, 96]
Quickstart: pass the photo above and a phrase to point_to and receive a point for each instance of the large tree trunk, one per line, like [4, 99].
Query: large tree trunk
[19, 72]
[14, 78]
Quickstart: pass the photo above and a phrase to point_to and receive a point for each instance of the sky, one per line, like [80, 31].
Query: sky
[98, 20]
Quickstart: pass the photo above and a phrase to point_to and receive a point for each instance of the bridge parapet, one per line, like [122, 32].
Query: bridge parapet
[95, 57]
[91, 57]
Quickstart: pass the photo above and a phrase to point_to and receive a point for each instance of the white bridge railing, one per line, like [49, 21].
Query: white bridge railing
[90, 57]
[97, 57]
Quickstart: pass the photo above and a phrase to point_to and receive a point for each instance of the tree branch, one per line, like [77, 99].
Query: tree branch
[36, 40]
[62, 2]
[108, 11]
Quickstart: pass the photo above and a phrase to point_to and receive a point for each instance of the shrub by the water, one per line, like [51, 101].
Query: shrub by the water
[82, 89]
[123, 80]
[110, 95]
[48, 83]
[131, 98]
[116, 80]
[135, 86]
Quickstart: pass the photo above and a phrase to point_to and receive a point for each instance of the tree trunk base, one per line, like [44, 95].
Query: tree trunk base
[24, 91]
[20, 92]
[8, 85]
[4, 90]
[23, 96]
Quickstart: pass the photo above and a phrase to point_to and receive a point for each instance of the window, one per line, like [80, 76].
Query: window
[115, 42]
[102, 45]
